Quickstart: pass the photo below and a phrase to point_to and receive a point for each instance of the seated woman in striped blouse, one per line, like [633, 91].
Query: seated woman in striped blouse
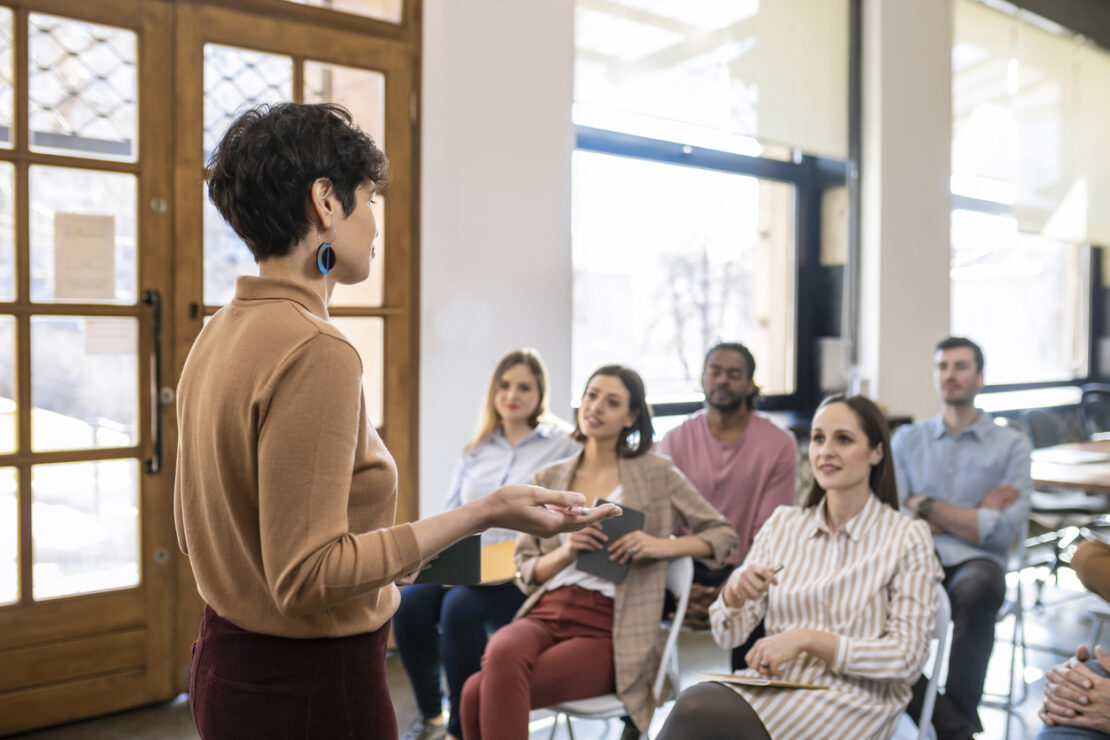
[851, 609]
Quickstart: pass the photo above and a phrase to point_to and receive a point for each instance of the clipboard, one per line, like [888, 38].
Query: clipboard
[759, 683]
[597, 562]
[458, 565]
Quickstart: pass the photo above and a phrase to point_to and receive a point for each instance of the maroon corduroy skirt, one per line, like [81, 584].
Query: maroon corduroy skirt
[245, 685]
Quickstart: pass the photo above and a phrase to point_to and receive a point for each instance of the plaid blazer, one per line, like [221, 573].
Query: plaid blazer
[653, 485]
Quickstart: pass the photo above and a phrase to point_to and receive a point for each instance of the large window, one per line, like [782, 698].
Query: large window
[707, 134]
[1028, 139]
[669, 259]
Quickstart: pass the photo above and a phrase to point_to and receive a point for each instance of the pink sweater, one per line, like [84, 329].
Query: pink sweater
[745, 481]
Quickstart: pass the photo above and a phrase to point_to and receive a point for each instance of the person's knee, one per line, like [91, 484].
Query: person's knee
[462, 609]
[1091, 562]
[503, 651]
[471, 695]
[703, 702]
[419, 606]
[979, 589]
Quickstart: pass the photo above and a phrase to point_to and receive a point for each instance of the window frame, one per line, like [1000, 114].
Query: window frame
[1095, 303]
[811, 176]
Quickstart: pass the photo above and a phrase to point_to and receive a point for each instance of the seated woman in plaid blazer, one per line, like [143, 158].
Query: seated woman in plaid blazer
[579, 635]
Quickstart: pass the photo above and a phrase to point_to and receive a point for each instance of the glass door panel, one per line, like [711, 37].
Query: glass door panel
[7, 223]
[385, 10]
[234, 80]
[367, 335]
[84, 88]
[83, 235]
[86, 527]
[7, 385]
[84, 382]
[362, 92]
[7, 96]
[9, 536]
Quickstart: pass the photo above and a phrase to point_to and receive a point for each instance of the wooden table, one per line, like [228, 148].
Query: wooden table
[1084, 476]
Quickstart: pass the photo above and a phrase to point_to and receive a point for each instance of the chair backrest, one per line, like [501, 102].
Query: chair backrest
[680, 574]
[941, 623]
[1094, 408]
[1044, 428]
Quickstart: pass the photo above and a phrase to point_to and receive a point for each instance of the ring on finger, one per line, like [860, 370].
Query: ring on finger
[631, 549]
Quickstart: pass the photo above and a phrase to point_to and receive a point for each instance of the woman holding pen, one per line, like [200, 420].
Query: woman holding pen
[285, 496]
[579, 635]
[847, 588]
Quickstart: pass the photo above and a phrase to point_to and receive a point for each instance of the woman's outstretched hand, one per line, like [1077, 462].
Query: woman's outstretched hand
[541, 512]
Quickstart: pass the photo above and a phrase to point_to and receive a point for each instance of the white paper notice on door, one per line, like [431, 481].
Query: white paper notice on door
[111, 335]
[84, 256]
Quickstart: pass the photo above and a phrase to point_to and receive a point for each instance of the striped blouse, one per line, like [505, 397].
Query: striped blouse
[871, 583]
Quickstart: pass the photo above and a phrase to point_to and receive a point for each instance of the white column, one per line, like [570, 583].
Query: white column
[496, 143]
[905, 255]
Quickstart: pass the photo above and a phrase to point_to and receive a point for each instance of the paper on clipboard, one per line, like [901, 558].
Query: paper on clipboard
[732, 678]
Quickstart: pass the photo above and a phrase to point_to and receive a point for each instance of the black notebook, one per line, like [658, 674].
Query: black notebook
[458, 565]
[597, 562]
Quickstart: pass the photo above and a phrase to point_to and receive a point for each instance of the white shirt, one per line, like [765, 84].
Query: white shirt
[494, 463]
[571, 576]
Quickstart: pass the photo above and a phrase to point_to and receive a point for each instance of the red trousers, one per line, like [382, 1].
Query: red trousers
[559, 651]
[247, 686]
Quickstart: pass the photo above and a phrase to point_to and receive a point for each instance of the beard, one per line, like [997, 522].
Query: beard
[734, 403]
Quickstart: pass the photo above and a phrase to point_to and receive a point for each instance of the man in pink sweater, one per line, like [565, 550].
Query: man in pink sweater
[739, 461]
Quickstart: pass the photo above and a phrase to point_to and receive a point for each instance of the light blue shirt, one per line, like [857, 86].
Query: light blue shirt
[494, 463]
[961, 470]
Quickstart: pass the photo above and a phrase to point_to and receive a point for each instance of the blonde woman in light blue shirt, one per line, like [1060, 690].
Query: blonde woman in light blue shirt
[444, 630]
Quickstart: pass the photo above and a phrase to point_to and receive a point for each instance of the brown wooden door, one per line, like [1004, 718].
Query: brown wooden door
[87, 533]
[113, 109]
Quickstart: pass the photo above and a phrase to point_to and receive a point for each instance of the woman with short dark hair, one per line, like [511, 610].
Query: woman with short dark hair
[579, 635]
[285, 496]
[846, 587]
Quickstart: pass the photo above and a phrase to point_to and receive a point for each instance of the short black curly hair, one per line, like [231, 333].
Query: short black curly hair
[261, 172]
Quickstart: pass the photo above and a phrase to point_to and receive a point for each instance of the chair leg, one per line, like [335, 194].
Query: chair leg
[570, 730]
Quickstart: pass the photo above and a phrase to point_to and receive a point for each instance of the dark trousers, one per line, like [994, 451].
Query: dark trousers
[976, 589]
[247, 686]
[445, 630]
[710, 711]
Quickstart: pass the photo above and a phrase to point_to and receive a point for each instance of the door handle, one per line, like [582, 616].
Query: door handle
[153, 299]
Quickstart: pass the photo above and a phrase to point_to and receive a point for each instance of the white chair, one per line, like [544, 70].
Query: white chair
[941, 624]
[680, 574]
[1017, 690]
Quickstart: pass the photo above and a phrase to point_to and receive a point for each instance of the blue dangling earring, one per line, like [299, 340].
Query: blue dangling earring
[325, 258]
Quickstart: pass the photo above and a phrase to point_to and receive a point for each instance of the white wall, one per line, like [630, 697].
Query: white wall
[496, 141]
[907, 113]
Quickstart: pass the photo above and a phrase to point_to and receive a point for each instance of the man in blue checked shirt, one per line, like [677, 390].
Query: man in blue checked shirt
[969, 479]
